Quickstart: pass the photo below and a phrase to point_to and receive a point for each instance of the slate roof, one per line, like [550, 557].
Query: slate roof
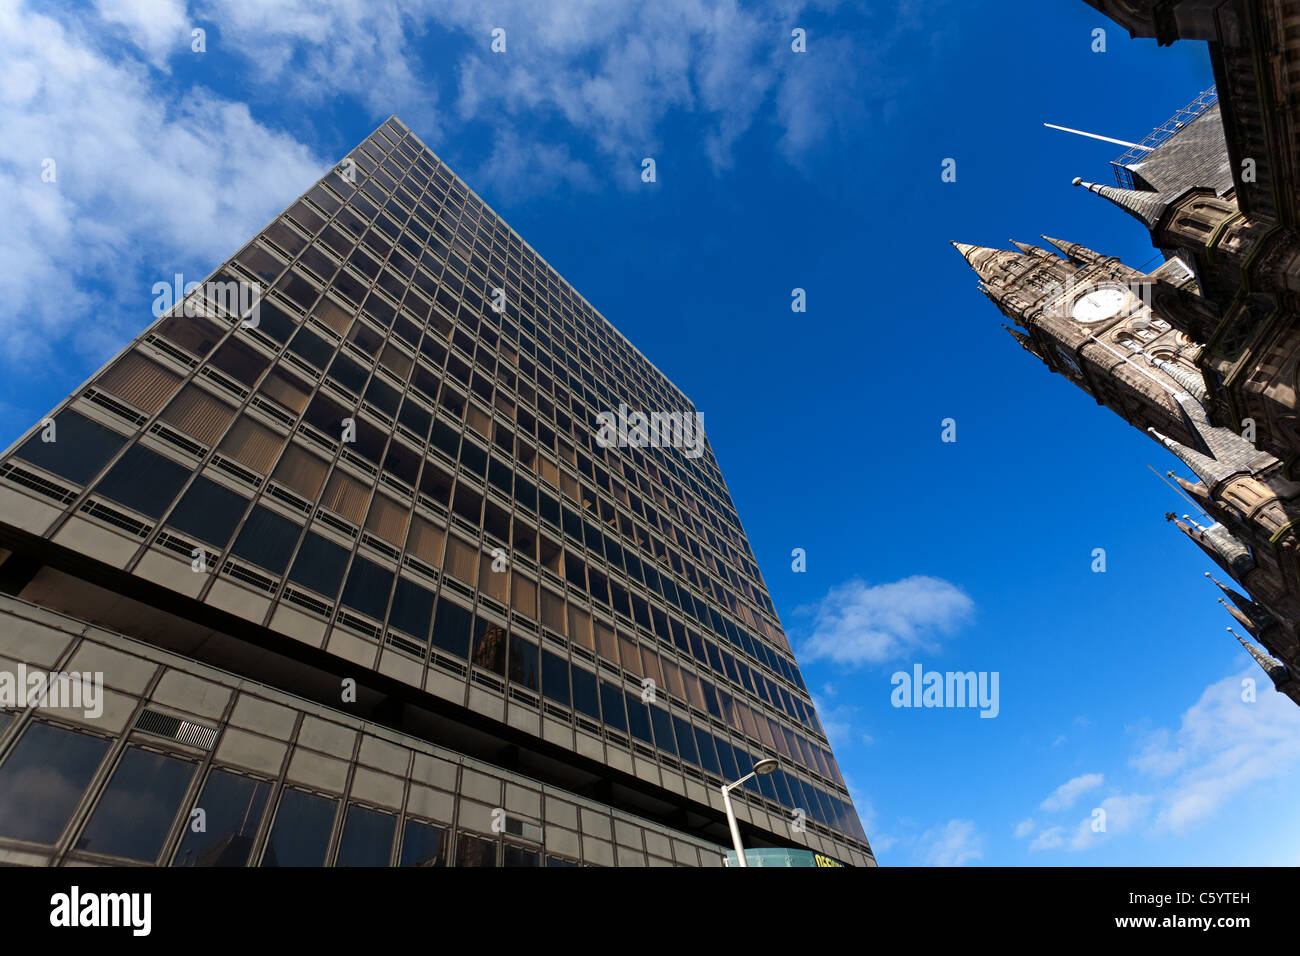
[1196, 155]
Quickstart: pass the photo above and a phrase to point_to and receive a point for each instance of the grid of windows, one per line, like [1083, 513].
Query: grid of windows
[148, 810]
[261, 778]
[384, 436]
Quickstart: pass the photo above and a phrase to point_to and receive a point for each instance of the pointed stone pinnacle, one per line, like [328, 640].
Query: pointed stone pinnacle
[1146, 207]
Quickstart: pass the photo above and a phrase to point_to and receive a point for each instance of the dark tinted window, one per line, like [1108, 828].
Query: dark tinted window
[663, 727]
[367, 838]
[708, 756]
[301, 832]
[638, 718]
[136, 811]
[412, 609]
[584, 693]
[445, 438]
[415, 418]
[240, 361]
[523, 662]
[782, 790]
[312, 347]
[451, 628]
[520, 856]
[367, 588]
[319, 565]
[79, 449]
[43, 778]
[500, 476]
[232, 807]
[475, 851]
[685, 740]
[194, 333]
[611, 706]
[143, 481]
[383, 396]
[555, 678]
[267, 540]
[473, 458]
[208, 511]
[274, 322]
[423, 844]
[326, 414]
[490, 646]
[348, 373]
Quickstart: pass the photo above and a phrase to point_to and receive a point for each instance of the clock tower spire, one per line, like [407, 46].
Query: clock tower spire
[1084, 315]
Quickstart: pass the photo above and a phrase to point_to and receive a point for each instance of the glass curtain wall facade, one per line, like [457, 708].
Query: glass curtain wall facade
[393, 461]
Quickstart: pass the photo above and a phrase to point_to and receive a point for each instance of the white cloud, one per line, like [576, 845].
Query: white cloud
[160, 28]
[145, 186]
[156, 176]
[956, 843]
[1223, 746]
[1024, 828]
[317, 53]
[858, 624]
[1121, 814]
[1064, 796]
[841, 724]
[881, 842]
[1048, 839]
[610, 71]
[517, 169]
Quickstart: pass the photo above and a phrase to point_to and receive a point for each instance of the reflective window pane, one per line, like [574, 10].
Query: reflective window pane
[475, 851]
[78, 449]
[301, 834]
[232, 806]
[520, 856]
[136, 811]
[367, 838]
[43, 780]
[423, 844]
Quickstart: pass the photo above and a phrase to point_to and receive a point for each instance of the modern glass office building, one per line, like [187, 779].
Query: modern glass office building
[364, 585]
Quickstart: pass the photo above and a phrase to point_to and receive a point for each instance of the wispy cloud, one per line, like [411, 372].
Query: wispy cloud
[159, 28]
[1064, 796]
[1118, 814]
[609, 71]
[956, 843]
[859, 624]
[518, 169]
[145, 184]
[1224, 746]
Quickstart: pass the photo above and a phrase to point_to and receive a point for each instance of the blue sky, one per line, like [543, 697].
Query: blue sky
[776, 170]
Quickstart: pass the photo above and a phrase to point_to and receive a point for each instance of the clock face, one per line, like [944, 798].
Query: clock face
[1099, 304]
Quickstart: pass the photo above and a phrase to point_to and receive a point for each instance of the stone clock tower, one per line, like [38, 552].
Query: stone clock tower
[1087, 317]
[1118, 334]
[1203, 353]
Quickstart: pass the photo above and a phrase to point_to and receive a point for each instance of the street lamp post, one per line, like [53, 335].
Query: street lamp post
[764, 766]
